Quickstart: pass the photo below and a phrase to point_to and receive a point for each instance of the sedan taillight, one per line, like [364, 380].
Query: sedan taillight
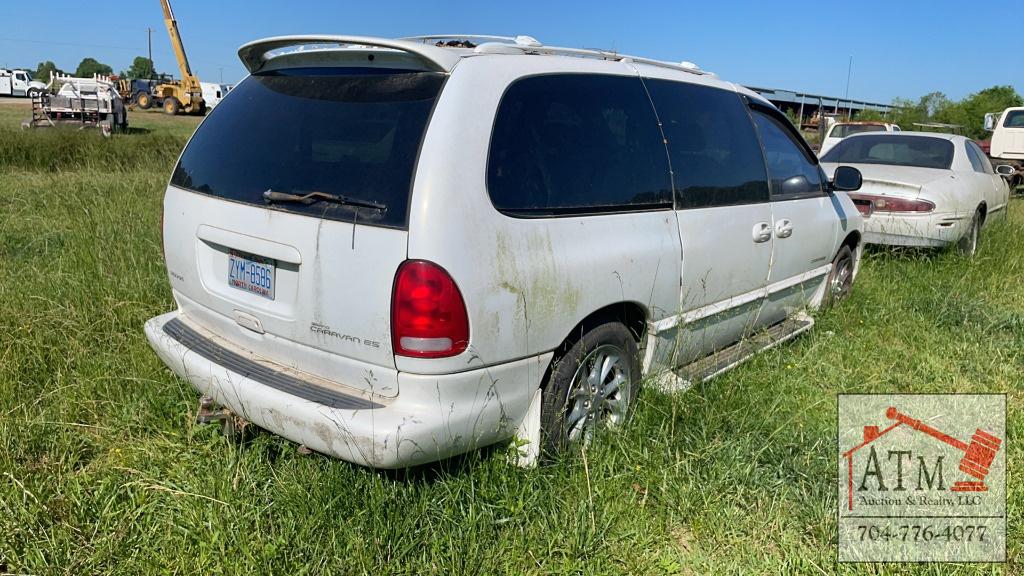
[428, 315]
[892, 203]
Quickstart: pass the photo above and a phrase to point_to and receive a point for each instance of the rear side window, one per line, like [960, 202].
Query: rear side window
[977, 158]
[792, 172]
[716, 158]
[348, 132]
[577, 143]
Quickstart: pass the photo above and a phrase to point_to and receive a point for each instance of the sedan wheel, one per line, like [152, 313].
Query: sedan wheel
[968, 245]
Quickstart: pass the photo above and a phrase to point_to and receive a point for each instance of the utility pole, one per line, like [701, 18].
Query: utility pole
[149, 38]
[849, 108]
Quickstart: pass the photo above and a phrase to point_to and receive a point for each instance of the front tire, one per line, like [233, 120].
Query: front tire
[840, 279]
[172, 106]
[34, 92]
[593, 384]
[968, 244]
[143, 100]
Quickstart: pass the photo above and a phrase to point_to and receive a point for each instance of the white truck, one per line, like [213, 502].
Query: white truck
[19, 83]
[1006, 148]
[213, 93]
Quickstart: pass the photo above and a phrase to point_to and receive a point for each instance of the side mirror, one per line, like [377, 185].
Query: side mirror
[990, 121]
[847, 179]
[1005, 170]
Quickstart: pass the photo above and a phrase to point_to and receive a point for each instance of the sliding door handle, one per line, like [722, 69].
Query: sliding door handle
[762, 232]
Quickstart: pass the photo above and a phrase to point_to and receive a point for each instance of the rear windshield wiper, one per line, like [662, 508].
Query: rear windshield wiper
[271, 196]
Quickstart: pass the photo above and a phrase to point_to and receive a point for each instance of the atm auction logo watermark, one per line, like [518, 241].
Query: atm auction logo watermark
[922, 478]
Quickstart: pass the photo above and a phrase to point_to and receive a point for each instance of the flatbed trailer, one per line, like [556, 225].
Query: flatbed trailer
[85, 102]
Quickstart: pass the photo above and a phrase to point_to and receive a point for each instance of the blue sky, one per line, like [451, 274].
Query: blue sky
[900, 48]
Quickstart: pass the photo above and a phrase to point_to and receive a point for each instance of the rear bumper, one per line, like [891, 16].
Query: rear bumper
[432, 418]
[925, 230]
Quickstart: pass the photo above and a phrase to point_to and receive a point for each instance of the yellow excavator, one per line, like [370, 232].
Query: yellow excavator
[185, 95]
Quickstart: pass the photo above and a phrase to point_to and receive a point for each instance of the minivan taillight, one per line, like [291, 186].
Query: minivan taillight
[428, 315]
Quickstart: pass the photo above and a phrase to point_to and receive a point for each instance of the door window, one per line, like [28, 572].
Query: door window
[792, 170]
[716, 159]
[577, 143]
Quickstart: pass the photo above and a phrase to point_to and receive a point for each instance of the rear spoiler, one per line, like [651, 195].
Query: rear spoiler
[255, 54]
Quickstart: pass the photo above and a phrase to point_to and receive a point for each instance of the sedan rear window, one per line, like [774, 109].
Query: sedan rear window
[844, 130]
[348, 132]
[894, 150]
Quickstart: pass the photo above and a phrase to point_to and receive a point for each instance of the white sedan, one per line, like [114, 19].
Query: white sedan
[921, 188]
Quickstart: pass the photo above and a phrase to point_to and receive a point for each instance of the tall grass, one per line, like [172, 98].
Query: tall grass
[102, 469]
[64, 148]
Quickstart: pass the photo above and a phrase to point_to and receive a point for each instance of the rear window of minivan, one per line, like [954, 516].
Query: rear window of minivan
[349, 132]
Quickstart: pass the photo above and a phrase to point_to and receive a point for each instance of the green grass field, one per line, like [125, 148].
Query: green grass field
[102, 469]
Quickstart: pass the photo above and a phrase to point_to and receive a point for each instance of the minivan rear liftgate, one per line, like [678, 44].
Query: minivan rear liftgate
[287, 214]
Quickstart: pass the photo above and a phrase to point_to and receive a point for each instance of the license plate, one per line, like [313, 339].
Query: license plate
[251, 273]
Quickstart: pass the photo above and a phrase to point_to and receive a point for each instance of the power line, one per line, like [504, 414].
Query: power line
[166, 53]
[51, 42]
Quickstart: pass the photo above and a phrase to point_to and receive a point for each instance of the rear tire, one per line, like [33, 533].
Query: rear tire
[968, 244]
[143, 100]
[593, 384]
[171, 105]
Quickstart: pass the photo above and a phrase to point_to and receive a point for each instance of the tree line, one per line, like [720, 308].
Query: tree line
[968, 113]
[141, 67]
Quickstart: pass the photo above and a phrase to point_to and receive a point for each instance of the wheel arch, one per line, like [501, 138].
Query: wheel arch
[852, 240]
[633, 315]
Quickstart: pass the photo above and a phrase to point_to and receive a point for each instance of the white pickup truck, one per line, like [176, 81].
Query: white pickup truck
[1006, 149]
[19, 83]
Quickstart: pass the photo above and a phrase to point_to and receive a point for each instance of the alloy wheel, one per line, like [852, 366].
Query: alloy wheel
[842, 279]
[601, 391]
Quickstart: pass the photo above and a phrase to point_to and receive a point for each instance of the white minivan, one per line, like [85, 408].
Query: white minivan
[396, 251]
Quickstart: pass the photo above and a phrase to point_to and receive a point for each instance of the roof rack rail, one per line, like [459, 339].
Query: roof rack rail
[529, 45]
[502, 48]
[435, 37]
